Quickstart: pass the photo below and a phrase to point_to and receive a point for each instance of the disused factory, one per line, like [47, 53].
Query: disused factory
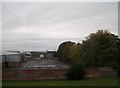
[38, 65]
[32, 65]
[10, 59]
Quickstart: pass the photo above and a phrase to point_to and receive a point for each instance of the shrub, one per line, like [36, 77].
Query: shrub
[75, 73]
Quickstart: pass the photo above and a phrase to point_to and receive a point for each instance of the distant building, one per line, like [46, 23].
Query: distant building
[40, 67]
[28, 55]
[43, 65]
[10, 59]
[34, 55]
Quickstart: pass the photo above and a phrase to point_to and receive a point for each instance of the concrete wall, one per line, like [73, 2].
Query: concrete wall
[3, 58]
[99, 72]
[13, 64]
[92, 72]
[14, 58]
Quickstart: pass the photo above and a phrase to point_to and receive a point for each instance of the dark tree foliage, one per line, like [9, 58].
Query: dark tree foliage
[99, 49]
[75, 73]
[63, 51]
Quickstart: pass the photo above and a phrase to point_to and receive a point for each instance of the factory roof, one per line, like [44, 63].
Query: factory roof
[45, 64]
[9, 52]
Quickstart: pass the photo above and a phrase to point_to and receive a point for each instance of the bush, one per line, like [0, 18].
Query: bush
[75, 73]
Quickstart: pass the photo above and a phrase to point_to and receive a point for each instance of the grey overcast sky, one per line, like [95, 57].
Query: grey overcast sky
[44, 25]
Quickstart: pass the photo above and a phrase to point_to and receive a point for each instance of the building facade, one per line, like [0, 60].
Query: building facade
[10, 59]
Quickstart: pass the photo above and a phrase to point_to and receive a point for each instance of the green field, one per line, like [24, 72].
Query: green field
[106, 81]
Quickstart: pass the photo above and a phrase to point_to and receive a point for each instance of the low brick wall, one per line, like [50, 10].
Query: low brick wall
[42, 74]
[34, 74]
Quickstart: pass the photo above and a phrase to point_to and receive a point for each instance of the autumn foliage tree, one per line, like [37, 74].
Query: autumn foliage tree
[64, 51]
[99, 49]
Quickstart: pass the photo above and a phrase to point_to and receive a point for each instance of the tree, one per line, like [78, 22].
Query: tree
[64, 50]
[100, 49]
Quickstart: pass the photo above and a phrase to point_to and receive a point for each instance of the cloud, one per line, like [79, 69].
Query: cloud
[41, 26]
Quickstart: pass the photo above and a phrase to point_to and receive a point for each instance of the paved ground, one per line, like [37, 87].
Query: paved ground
[49, 61]
[44, 64]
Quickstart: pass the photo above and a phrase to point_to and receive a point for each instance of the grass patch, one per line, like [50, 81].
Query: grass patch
[104, 81]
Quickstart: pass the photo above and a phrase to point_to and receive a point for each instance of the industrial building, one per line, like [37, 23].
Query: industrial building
[46, 67]
[41, 66]
[10, 59]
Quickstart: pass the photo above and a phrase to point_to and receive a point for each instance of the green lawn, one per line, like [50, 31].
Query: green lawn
[106, 81]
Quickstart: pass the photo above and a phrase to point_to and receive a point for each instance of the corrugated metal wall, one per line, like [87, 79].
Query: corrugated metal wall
[11, 58]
